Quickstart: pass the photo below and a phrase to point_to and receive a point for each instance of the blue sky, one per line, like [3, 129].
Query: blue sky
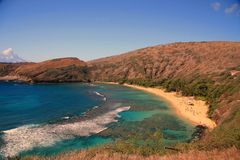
[43, 29]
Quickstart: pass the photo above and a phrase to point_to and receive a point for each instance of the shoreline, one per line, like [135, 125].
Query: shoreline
[189, 109]
[192, 110]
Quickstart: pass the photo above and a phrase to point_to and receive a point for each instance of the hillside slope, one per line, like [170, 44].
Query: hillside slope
[56, 70]
[169, 61]
[192, 155]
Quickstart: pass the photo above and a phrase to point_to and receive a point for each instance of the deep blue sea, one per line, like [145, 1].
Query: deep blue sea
[46, 119]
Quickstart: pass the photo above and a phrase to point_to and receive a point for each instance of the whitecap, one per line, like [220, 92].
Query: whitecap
[95, 107]
[99, 94]
[65, 118]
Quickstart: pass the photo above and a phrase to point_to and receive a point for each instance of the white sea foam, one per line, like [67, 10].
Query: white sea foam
[101, 95]
[95, 107]
[65, 117]
[30, 136]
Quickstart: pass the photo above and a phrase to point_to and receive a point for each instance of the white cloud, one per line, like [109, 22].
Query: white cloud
[7, 51]
[231, 8]
[216, 6]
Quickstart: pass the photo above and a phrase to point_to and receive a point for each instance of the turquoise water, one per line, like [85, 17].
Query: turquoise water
[53, 118]
[68, 146]
[138, 115]
[22, 104]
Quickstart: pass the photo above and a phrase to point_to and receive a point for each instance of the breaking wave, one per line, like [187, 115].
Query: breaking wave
[29, 136]
[101, 95]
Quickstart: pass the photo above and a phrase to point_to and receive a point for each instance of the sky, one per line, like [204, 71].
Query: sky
[38, 30]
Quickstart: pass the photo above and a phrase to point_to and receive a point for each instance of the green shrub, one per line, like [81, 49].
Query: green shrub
[150, 145]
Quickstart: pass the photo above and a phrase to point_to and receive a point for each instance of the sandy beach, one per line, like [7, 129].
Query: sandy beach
[194, 111]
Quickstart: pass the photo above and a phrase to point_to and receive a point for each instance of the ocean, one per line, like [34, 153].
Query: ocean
[47, 119]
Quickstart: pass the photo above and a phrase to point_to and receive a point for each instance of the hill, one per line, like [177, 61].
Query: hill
[56, 70]
[174, 60]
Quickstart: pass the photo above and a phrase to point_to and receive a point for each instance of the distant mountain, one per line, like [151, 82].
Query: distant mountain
[8, 56]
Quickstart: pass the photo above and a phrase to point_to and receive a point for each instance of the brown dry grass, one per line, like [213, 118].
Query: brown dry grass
[228, 154]
[175, 60]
